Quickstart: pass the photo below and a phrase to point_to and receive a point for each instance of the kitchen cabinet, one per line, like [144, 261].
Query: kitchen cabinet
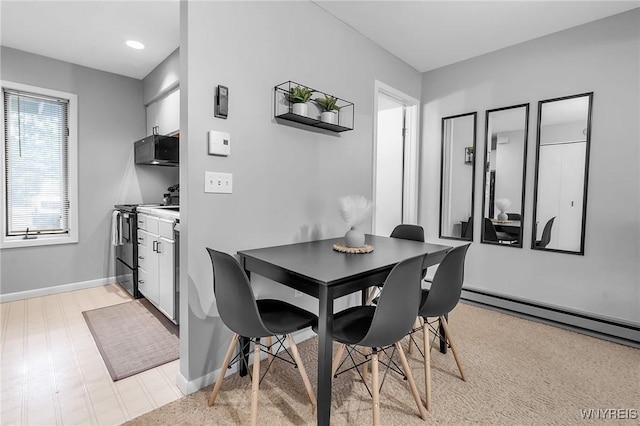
[164, 114]
[156, 262]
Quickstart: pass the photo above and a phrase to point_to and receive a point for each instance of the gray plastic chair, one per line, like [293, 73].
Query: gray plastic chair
[437, 302]
[382, 326]
[254, 320]
[545, 239]
[405, 232]
[490, 233]
[408, 232]
[468, 232]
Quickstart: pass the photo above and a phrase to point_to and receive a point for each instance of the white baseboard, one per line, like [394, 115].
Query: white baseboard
[190, 386]
[20, 295]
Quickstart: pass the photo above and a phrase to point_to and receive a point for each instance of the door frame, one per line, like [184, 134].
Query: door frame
[411, 151]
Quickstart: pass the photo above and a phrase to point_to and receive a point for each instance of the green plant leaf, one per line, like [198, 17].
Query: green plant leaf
[328, 103]
[298, 94]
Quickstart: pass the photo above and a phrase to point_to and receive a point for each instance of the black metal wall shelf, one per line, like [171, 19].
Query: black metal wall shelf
[283, 109]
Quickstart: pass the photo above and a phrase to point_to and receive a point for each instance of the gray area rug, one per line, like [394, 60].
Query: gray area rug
[518, 372]
[133, 337]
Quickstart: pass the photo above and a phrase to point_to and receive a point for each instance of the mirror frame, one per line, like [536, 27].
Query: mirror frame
[585, 185]
[524, 172]
[473, 172]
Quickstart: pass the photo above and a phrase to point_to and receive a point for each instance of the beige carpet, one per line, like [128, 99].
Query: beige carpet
[133, 337]
[518, 372]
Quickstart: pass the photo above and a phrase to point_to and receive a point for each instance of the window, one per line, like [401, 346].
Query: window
[39, 166]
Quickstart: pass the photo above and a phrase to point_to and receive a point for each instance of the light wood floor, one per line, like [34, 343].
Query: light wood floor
[51, 372]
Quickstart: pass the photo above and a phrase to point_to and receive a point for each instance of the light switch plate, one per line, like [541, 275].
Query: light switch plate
[218, 183]
[219, 143]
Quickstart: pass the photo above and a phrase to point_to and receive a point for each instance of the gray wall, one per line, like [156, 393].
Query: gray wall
[286, 179]
[111, 117]
[162, 79]
[602, 57]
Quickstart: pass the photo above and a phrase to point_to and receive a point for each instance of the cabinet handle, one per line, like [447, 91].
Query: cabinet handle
[155, 246]
[141, 257]
[140, 281]
[158, 247]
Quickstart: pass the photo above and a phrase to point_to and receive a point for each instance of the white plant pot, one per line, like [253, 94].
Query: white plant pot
[354, 237]
[328, 117]
[299, 108]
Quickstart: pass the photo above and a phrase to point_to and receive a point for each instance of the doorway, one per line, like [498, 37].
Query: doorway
[395, 165]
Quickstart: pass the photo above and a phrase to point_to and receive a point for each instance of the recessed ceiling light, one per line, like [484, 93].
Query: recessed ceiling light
[135, 44]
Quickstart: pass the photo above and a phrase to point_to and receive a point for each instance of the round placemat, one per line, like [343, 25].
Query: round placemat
[353, 250]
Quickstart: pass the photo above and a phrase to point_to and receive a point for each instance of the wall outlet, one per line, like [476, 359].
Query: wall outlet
[218, 183]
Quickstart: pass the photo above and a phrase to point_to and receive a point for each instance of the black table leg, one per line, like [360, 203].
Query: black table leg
[243, 348]
[325, 353]
[443, 342]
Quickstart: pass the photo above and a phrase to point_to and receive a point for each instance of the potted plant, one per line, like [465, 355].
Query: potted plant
[329, 108]
[299, 96]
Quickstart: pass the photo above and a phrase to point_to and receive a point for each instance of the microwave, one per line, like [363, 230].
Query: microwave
[157, 150]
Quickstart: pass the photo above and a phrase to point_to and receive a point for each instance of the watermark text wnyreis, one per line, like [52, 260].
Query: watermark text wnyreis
[609, 414]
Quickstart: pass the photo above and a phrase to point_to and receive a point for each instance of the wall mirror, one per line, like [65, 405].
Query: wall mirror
[457, 176]
[562, 165]
[505, 157]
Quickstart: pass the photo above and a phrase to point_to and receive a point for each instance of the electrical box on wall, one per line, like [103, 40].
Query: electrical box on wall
[219, 143]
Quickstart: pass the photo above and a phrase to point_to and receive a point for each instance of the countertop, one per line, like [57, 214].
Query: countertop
[165, 212]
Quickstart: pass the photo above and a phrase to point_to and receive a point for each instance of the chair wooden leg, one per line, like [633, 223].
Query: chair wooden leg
[269, 342]
[427, 365]
[223, 369]
[365, 366]
[337, 358]
[372, 294]
[447, 333]
[301, 369]
[255, 383]
[412, 383]
[375, 388]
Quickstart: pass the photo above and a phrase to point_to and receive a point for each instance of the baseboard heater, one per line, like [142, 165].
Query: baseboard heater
[625, 333]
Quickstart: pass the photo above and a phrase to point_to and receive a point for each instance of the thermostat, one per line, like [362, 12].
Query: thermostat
[219, 143]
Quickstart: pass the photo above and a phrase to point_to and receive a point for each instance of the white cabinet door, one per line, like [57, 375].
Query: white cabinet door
[150, 269]
[153, 116]
[169, 113]
[166, 277]
[165, 114]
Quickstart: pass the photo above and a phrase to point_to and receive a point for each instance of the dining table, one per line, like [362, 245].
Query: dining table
[508, 226]
[318, 270]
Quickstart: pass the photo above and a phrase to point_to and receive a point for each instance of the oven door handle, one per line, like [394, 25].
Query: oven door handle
[126, 218]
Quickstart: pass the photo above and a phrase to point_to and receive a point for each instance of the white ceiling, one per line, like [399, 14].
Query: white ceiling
[93, 32]
[424, 34]
[431, 34]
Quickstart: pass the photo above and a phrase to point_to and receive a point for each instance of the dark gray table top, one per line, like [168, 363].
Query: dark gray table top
[317, 261]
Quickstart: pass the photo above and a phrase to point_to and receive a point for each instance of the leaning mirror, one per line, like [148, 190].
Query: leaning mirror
[505, 157]
[562, 165]
[457, 176]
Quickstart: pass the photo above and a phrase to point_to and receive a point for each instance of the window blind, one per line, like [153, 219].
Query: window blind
[36, 163]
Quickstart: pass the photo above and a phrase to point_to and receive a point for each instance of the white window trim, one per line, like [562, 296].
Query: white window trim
[43, 240]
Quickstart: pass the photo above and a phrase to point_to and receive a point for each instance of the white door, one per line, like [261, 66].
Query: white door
[395, 159]
[166, 279]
